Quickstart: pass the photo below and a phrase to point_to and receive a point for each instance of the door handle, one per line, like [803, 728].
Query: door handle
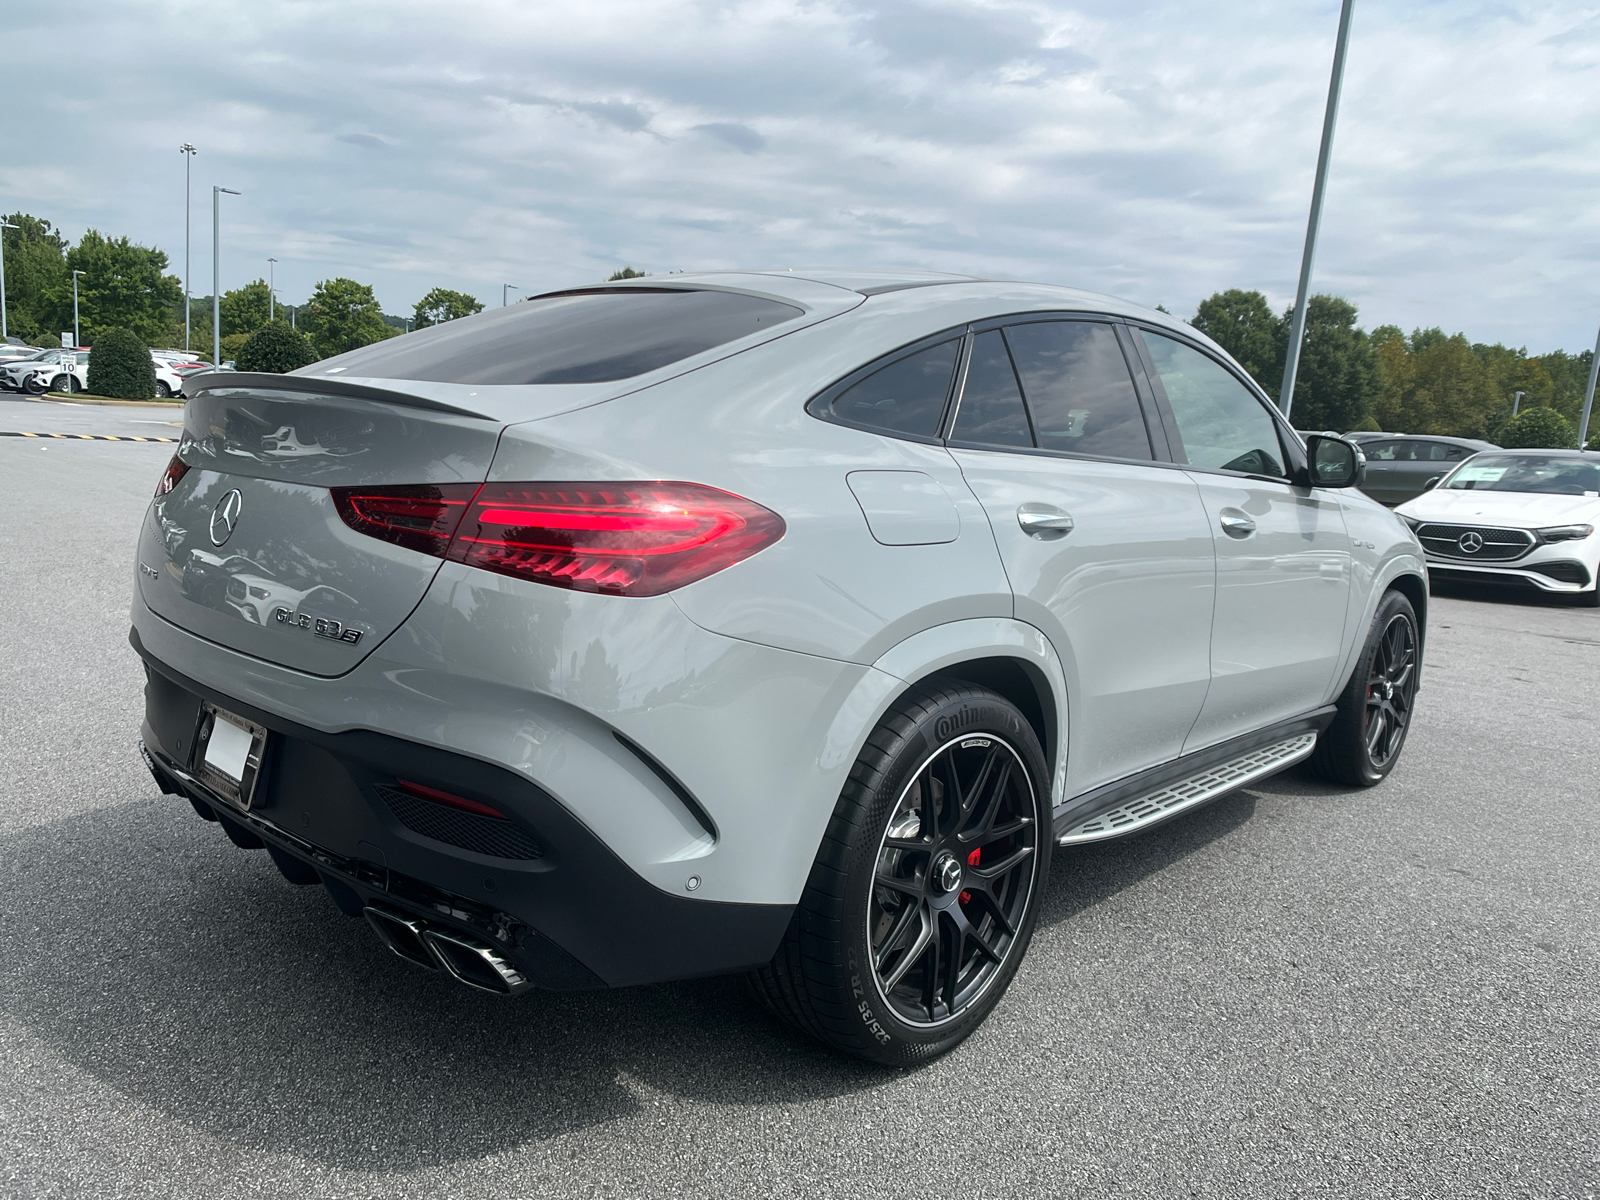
[1237, 525]
[1043, 520]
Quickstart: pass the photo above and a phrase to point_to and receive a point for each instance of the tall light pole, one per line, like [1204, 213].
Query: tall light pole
[504, 288]
[216, 270]
[1297, 327]
[5, 334]
[1516, 402]
[188, 153]
[272, 279]
[77, 338]
[1588, 399]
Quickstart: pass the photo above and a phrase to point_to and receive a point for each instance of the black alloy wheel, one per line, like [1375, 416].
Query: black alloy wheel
[927, 884]
[1363, 742]
[954, 876]
[1391, 686]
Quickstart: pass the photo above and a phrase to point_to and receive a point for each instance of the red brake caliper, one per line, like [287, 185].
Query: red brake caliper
[972, 861]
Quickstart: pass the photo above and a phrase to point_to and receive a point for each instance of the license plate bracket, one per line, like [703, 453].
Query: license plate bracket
[229, 753]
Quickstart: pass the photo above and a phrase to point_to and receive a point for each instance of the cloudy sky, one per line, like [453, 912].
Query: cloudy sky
[1155, 150]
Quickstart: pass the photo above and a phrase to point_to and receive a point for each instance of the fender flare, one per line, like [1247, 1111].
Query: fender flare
[939, 648]
[1388, 571]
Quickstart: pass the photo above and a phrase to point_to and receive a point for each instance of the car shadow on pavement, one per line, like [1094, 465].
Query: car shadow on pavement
[144, 949]
[141, 947]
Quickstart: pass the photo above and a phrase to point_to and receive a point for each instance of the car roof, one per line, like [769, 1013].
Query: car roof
[1369, 436]
[1550, 452]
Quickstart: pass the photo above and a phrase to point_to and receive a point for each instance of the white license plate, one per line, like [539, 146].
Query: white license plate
[232, 750]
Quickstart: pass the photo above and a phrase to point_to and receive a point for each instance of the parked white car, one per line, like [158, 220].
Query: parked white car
[47, 373]
[169, 375]
[1520, 517]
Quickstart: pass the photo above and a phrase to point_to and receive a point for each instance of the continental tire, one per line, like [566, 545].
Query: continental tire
[923, 896]
[1364, 741]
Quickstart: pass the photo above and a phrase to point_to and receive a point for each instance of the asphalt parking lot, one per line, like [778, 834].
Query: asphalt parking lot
[1298, 991]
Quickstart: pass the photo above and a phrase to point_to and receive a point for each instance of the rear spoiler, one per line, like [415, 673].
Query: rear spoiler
[262, 381]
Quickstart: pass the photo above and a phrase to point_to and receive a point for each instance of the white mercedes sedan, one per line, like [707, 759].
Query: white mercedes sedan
[1520, 517]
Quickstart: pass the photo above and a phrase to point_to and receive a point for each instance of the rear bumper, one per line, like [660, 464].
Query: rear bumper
[568, 912]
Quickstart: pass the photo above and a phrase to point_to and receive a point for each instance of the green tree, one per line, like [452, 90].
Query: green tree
[1434, 382]
[1338, 381]
[120, 366]
[244, 310]
[1243, 325]
[343, 315]
[442, 304]
[1538, 428]
[123, 285]
[626, 273]
[276, 348]
[36, 270]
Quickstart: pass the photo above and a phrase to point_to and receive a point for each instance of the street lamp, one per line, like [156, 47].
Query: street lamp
[272, 278]
[188, 153]
[77, 338]
[5, 334]
[508, 287]
[216, 270]
[1297, 326]
[1516, 402]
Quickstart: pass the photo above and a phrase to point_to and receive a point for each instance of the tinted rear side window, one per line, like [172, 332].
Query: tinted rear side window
[991, 403]
[907, 396]
[592, 336]
[1078, 388]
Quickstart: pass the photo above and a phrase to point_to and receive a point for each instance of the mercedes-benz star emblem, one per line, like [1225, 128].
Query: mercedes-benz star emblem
[225, 517]
[1470, 542]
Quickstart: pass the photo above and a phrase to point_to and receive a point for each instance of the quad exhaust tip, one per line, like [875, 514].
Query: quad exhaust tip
[464, 958]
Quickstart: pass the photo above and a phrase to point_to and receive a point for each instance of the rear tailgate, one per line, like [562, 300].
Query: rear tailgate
[248, 550]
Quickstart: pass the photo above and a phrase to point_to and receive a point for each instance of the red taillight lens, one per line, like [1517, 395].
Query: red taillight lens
[418, 516]
[176, 470]
[626, 539]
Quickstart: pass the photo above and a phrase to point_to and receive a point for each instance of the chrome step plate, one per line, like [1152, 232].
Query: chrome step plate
[1133, 815]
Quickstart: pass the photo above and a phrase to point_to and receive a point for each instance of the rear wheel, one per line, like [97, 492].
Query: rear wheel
[924, 893]
[162, 390]
[1364, 741]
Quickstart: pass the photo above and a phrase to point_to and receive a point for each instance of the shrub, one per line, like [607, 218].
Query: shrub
[120, 366]
[1538, 429]
[276, 348]
[232, 343]
[1369, 425]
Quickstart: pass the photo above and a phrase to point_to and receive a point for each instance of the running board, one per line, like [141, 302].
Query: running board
[1174, 798]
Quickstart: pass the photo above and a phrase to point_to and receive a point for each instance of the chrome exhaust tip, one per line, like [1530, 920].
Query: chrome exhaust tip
[402, 934]
[475, 963]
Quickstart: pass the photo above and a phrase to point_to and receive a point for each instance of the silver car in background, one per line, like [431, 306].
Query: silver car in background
[777, 623]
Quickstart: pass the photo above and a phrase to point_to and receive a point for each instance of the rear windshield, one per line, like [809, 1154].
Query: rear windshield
[592, 336]
[1527, 473]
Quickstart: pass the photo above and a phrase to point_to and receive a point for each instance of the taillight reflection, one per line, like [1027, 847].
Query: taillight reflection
[625, 539]
[176, 470]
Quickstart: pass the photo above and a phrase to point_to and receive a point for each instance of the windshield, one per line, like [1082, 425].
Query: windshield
[1542, 473]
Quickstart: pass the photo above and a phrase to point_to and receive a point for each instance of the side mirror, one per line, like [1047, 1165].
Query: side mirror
[1333, 462]
[1432, 483]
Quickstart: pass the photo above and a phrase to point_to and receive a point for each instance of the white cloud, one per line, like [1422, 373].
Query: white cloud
[1157, 150]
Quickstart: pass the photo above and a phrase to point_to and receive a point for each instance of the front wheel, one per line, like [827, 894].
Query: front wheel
[1364, 741]
[923, 896]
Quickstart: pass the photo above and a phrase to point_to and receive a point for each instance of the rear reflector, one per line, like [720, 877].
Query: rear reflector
[624, 539]
[176, 470]
[424, 792]
[420, 517]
